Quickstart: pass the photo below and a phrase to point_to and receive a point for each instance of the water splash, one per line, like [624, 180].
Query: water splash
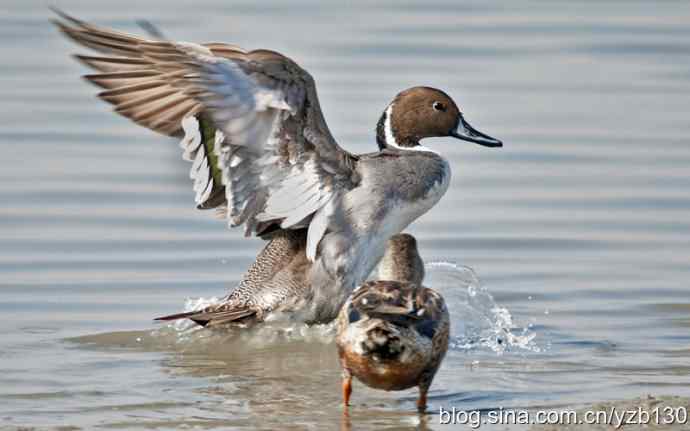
[477, 321]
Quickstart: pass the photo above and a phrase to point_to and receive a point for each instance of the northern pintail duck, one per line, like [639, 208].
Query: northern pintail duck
[392, 334]
[264, 157]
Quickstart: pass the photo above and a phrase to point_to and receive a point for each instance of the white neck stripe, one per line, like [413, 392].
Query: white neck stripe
[388, 130]
[390, 137]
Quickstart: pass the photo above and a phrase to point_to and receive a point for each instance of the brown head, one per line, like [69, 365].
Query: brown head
[425, 112]
[402, 262]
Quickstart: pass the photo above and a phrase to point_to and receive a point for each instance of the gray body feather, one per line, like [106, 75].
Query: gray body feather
[283, 283]
[264, 157]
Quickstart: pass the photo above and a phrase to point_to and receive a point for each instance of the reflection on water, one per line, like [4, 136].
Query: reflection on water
[579, 227]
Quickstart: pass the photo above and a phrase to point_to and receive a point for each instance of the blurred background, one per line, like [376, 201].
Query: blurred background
[579, 228]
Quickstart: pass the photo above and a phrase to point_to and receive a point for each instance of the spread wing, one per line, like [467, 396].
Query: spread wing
[261, 150]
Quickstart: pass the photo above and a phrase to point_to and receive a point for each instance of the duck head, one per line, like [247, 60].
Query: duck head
[425, 112]
[401, 261]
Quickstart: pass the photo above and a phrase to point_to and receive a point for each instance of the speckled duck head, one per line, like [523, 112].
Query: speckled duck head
[425, 112]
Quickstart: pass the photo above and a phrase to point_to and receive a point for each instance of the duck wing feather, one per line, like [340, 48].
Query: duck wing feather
[402, 303]
[260, 148]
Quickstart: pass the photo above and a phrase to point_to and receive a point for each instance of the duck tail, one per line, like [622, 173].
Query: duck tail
[383, 342]
[187, 315]
[177, 316]
[211, 316]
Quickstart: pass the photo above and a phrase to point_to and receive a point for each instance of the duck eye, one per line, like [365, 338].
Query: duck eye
[438, 106]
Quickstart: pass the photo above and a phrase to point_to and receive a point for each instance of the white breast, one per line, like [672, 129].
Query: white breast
[374, 232]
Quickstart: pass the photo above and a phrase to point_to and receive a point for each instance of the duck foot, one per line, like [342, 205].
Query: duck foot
[421, 401]
[347, 389]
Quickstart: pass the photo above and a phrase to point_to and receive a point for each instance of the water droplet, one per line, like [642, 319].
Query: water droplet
[484, 324]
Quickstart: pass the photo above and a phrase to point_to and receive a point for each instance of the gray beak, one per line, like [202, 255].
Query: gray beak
[468, 133]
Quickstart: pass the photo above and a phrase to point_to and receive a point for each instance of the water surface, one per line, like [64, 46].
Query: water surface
[579, 227]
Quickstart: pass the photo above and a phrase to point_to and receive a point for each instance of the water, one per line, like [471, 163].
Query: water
[579, 228]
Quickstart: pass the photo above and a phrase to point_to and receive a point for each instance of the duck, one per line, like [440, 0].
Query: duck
[393, 332]
[264, 158]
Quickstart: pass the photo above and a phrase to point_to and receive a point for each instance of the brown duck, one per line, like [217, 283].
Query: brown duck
[392, 334]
